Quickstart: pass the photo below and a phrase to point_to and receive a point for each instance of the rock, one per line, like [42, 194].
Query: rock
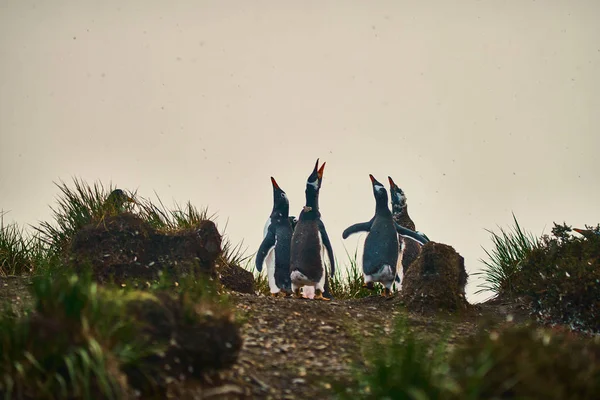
[436, 280]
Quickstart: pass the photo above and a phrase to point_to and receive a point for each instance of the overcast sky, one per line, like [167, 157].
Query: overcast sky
[476, 108]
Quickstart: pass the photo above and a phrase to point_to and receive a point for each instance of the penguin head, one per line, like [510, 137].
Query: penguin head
[315, 179]
[379, 190]
[397, 194]
[280, 199]
[118, 199]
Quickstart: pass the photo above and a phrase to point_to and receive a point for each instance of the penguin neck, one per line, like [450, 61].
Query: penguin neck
[381, 207]
[312, 201]
[399, 209]
[280, 212]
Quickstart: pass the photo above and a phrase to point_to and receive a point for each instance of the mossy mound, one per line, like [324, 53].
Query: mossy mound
[123, 247]
[81, 340]
[236, 278]
[436, 280]
[197, 340]
[561, 280]
[526, 363]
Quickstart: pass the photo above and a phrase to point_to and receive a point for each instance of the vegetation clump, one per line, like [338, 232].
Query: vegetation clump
[503, 265]
[124, 246]
[557, 276]
[527, 363]
[509, 361]
[561, 279]
[80, 340]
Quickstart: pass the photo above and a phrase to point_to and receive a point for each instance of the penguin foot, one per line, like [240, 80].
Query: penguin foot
[387, 293]
[297, 294]
[319, 296]
[369, 285]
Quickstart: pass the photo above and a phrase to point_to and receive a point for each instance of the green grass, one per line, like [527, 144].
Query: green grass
[21, 253]
[81, 340]
[503, 261]
[76, 208]
[349, 285]
[15, 249]
[402, 366]
[69, 343]
[502, 361]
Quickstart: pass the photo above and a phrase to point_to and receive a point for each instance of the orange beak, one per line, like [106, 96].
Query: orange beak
[275, 185]
[579, 230]
[372, 178]
[391, 181]
[320, 171]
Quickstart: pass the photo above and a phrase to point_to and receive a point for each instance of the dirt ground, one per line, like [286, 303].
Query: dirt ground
[294, 348]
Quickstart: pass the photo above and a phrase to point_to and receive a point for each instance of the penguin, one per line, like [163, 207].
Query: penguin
[274, 249]
[117, 201]
[380, 253]
[587, 233]
[310, 242]
[409, 249]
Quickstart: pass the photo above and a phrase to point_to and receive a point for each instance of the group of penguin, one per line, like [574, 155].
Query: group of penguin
[294, 250]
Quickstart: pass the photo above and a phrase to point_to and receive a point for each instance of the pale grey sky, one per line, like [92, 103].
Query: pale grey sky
[475, 108]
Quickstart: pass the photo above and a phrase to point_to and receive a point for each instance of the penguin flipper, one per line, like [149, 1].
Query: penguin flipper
[266, 245]
[359, 227]
[407, 233]
[327, 244]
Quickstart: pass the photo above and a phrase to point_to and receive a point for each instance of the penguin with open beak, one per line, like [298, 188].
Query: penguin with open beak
[409, 249]
[310, 243]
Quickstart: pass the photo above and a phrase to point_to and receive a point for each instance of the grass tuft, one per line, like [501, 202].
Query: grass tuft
[15, 249]
[400, 367]
[348, 284]
[506, 361]
[77, 207]
[504, 260]
[67, 346]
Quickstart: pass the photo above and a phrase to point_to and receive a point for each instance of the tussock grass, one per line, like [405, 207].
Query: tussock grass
[77, 207]
[83, 204]
[561, 279]
[21, 253]
[505, 361]
[403, 366]
[86, 341]
[504, 259]
[15, 249]
[70, 343]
